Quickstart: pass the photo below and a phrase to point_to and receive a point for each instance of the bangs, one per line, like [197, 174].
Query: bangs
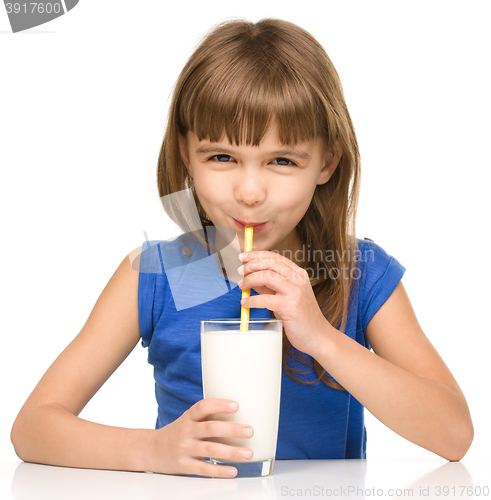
[243, 97]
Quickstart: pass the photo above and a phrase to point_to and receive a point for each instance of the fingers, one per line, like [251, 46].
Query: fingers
[202, 468]
[200, 411]
[265, 255]
[224, 452]
[271, 302]
[274, 266]
[216, 428]
[278, 282]
[271, 260]
[193, 437]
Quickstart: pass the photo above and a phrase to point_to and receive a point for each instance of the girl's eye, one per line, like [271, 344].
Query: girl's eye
[284, 162]
[222, 158]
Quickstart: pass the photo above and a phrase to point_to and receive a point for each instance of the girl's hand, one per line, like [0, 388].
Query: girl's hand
[285, 289]
[179, 448]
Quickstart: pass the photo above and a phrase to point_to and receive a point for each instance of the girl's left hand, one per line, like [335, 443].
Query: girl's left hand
[285, 289]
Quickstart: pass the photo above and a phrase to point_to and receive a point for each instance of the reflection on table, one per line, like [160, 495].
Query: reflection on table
[291, 479]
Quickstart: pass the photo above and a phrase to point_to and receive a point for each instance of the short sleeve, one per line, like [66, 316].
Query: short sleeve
[150, 268]
[382, 274]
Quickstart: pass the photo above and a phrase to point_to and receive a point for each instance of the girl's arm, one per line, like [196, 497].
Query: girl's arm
[405, 384]
[49, 431]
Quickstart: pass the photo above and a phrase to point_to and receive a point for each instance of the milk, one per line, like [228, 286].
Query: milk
[246, 367]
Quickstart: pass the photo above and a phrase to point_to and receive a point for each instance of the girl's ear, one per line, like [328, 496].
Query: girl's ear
[331, 161]
[183, 149]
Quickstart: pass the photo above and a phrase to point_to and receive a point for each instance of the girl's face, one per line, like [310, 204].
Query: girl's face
[271, 183]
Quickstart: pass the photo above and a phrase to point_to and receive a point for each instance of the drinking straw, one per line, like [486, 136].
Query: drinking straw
[244, 311]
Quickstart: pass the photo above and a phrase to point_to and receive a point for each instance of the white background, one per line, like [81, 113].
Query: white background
[83, 107]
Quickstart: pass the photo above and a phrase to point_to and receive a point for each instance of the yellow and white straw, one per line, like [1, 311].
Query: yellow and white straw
[244, 311]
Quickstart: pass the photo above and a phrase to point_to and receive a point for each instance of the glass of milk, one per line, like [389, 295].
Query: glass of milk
[245, 367]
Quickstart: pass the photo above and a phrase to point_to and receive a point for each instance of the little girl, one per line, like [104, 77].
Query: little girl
[260, 134]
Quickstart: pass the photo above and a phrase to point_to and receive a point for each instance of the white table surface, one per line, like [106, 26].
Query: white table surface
[434, 478]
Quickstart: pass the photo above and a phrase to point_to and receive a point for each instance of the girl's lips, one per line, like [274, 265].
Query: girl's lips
[257, 228]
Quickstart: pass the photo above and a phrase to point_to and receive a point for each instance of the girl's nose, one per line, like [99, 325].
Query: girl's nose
[251, 191]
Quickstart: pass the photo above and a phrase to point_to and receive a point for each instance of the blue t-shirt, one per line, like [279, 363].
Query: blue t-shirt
[316, 421]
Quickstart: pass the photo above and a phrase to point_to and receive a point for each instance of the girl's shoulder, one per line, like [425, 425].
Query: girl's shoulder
[373, 260]
[377, 273]
[157, 255]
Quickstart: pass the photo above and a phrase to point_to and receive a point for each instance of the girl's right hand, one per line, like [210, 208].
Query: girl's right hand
[179, 447]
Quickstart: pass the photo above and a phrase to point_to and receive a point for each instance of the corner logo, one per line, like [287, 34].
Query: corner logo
[26, 15]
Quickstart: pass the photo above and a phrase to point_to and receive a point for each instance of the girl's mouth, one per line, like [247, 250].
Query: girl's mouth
[257, 227]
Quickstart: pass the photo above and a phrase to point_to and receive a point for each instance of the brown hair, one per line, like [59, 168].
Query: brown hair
[243, 78]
